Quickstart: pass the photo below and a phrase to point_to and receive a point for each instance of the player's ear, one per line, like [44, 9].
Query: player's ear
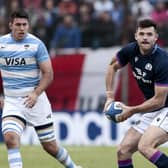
[135, 36]
[10, 25]
[157, 36]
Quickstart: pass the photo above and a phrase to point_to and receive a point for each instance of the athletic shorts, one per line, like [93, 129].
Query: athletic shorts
[158, 118]
[40, 114]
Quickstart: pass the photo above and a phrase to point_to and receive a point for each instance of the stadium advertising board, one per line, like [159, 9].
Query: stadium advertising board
[89, 128]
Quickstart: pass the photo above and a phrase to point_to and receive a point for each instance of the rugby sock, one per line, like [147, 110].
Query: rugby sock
[125, 163]
[159, 159]
[65, 158]
[14, 158]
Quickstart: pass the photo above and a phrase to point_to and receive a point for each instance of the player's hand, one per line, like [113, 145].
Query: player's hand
[108, 101]
[30, 100]
[126, 113]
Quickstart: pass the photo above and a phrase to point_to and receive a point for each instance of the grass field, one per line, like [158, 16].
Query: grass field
[88, 157]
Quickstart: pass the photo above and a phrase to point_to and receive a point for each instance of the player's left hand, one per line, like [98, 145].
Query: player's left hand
[108, 101]
[126, 113]
[30, 100]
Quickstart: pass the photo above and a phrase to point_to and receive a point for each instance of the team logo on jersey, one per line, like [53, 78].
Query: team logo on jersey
[144, 74]
[15, 61]
[140, 75]
[148, 67]
[139, 72]
[26, 46]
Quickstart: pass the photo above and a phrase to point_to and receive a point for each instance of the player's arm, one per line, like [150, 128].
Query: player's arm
[109, 79]
[156, 102]
[46, 76]
[46, 79]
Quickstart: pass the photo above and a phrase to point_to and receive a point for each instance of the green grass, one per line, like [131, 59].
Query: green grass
[88, 157]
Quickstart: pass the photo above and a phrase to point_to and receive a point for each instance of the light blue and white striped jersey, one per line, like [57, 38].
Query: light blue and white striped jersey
[19, 63]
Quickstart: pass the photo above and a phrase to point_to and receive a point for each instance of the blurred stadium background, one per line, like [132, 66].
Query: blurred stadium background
[81, 37]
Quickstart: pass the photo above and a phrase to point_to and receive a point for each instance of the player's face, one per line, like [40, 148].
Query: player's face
[146, 38]
[19, 28]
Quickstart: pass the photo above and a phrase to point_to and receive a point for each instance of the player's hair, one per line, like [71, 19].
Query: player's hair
[19, 14]
[145, 23]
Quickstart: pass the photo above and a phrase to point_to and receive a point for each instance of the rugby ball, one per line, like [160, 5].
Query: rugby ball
[112, 110]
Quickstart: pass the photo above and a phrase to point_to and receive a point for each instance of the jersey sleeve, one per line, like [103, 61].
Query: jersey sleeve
[124, 54]
[162, 73]
[42, 53]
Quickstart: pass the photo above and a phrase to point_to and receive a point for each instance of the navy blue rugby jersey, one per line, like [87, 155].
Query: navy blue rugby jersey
[149, 70]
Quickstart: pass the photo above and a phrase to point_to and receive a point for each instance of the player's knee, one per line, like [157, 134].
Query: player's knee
[143, 148]
[11, 131]
[11, 140]
[124, 150]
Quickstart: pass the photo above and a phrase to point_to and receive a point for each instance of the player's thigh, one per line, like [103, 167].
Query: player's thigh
[41, 113]
[130, 140]
[13, 120]
[153, 137]
[156, 133]
[13, 107]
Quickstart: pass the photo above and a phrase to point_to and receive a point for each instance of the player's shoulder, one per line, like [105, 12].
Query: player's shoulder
[130, 48]
[5, 38]
[160, 51]
[160, 54]
[31, 37]
[133, 46]
[160, 57]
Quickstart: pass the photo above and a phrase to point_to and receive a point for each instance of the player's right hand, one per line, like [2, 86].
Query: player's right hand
[30, 100]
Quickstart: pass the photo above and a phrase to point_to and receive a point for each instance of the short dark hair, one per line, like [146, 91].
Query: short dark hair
[19, 14]
[144, 23]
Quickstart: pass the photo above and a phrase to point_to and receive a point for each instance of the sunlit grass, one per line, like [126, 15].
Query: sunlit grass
[88, 157]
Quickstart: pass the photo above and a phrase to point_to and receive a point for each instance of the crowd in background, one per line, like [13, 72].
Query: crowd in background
[87, 23]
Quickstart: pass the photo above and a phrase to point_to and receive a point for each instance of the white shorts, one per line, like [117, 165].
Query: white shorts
[158, 118]
[40, 114]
